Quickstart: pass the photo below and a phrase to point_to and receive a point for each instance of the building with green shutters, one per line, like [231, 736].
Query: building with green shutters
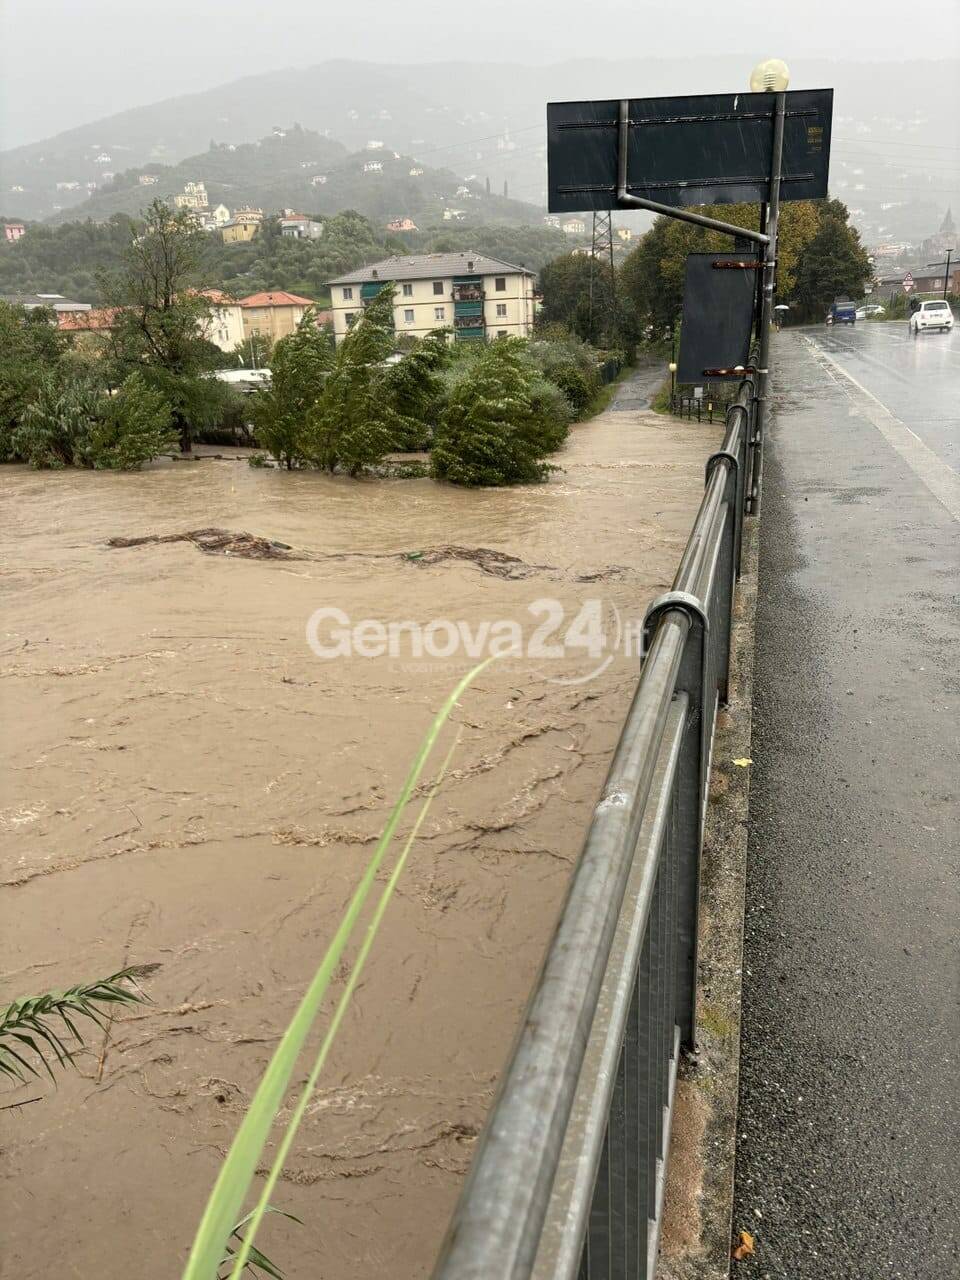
[476, 297]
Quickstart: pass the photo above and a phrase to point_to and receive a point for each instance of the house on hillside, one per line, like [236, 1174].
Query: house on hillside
[475, 296]
[574, 227]
[193, 196]
[272, 314]
[402, 224]
[243, 226]
[297, 226]
[318, 180]
[454, 215]
[373, 166]
[147, 179]
[13, 231]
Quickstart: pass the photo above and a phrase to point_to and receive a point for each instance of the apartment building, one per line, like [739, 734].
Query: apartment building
[475, 296]
[273, 314]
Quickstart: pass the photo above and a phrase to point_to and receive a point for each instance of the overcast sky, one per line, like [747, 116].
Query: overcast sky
[66, 62]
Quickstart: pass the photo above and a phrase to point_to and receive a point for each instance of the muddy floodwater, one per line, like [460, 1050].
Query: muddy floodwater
[186, 783]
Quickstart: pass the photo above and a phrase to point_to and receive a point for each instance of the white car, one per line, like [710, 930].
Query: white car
[932, 315]
[870, 309]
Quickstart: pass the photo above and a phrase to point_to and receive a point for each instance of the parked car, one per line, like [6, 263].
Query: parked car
[870, 309]
[842, 313]
[932, 315]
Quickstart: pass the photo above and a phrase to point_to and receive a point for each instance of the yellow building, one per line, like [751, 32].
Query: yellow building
[272, 315]
[474, 296]
[239, 230]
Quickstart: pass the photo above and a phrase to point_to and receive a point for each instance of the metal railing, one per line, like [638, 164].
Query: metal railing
[567, 1181]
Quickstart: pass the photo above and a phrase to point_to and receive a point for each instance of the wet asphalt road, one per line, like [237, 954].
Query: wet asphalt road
[848, 1141]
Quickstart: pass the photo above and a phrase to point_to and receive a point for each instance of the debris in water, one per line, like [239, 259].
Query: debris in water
[219, 542]
[248, 546]
[497, 563]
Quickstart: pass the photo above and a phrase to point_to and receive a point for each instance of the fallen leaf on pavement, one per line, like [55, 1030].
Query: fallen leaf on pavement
[744, 1247]
[743, 762]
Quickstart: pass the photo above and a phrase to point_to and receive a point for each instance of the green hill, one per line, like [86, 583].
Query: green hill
[278, 171]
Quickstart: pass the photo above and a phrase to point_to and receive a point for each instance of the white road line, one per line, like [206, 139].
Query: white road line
[942, 481]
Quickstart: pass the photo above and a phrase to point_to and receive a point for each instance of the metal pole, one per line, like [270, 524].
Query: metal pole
[766, 309]
[682, 215]
[946, 273]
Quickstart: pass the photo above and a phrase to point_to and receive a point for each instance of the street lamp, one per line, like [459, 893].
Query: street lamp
[673, 383]
[771, 76]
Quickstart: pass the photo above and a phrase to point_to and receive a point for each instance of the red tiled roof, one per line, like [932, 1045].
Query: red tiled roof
[278, 299]
[87, 321]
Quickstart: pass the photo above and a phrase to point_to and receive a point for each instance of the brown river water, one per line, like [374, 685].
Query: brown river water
[184, 782]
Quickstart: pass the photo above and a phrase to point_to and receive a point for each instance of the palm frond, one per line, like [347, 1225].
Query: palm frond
[41, 1032]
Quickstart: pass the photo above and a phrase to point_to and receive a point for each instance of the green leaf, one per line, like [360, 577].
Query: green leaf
[245, 1152]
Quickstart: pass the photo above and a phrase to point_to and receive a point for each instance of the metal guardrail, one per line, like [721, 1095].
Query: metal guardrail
[567, 1180]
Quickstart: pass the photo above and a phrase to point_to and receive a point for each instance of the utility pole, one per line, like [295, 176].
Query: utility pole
[946, 271]
[603, 293]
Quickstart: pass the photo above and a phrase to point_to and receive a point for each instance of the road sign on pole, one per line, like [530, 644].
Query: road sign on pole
[907, 282]
[703, 149]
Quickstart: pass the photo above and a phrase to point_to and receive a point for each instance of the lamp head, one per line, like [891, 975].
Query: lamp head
[771, 76]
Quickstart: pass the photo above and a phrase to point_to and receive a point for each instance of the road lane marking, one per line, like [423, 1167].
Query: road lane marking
[941, 479]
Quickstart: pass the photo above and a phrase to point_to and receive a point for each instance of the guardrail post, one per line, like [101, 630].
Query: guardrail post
[727, 560]
[692, 774]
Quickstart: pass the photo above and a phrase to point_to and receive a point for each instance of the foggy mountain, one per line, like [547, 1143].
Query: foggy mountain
[301, 169]
[487, 119]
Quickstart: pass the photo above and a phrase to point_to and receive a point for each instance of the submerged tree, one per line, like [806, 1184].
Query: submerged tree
[353, 423]
[415, 389]
[501, 421]
[300, 366]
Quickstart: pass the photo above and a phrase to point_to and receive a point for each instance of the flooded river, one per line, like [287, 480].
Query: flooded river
[186, 782]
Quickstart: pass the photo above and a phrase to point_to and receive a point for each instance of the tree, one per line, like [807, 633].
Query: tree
[161, 318]
[30, 347]
[565, 285]
[130, 428]
[416, 392]
[353, 424]
[831, 264]
[501, 421]
[300, 366]
[652, 276]
[254, 352]
[73, 422]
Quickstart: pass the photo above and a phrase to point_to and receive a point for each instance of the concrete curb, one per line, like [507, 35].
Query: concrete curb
[697, 1228]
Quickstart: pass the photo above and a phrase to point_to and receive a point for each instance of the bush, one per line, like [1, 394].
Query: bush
[130, 428]
[71, 422]
[501, 420]
[571, 365]
[54, 429]
[300, 366]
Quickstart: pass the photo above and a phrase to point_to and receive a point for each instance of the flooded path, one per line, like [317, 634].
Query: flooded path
[185, 782]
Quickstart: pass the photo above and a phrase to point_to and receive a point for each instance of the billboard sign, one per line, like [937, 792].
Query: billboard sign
[718, 300]
[704, 149]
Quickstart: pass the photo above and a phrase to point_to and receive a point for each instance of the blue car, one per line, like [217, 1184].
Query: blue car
[842, 313]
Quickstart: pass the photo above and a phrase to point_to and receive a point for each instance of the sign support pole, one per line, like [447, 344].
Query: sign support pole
[766, 305]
